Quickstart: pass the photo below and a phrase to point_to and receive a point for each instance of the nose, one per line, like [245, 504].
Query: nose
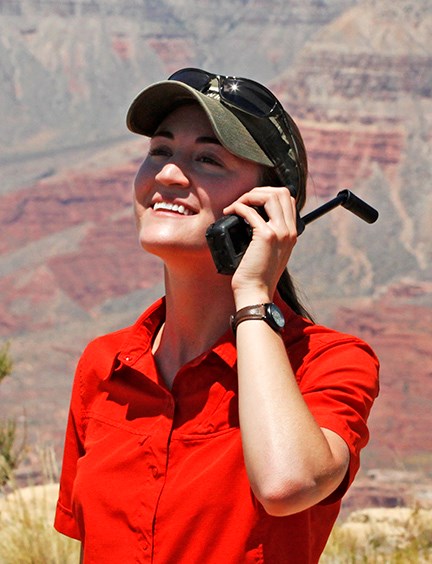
[172, 174]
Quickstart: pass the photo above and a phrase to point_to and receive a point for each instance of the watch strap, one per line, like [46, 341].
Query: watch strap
[257, 311]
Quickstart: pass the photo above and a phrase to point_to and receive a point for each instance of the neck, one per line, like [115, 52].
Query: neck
[198, 306]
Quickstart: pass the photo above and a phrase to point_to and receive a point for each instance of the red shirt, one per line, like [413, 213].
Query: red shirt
[152, 475]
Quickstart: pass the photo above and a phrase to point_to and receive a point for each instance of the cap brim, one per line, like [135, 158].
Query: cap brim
[154, 103]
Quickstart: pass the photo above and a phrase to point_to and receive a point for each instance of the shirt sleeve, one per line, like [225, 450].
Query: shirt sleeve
[339, 383]
[64, 521]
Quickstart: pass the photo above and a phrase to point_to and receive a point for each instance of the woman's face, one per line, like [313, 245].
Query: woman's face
[184, 183]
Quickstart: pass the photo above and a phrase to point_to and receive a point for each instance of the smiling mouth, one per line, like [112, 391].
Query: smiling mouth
[176, 208]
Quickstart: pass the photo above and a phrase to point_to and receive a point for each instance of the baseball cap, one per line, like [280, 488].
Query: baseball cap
[155, 102]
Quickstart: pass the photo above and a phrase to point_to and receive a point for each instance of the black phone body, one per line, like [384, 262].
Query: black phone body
[228, 239]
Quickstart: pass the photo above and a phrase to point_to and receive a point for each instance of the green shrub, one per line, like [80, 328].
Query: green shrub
[6, 363]
[11, 452]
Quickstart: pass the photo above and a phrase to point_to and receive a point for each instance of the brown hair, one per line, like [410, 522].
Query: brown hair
[269, 177]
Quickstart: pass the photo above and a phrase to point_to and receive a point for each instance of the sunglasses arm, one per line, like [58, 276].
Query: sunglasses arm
[276, 150]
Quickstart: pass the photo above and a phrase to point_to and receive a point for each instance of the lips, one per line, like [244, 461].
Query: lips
[175, 208]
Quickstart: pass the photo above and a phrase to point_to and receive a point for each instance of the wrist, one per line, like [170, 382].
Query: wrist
[254, 294]
[246, 298]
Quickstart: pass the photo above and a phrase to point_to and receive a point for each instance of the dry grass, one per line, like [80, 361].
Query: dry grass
[374, 536]
[26, 532]
[382, 536]
[27, 535]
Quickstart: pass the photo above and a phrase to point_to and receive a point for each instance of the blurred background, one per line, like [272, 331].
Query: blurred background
[357, 78]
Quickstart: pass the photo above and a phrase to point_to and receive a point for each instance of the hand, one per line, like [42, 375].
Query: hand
[256, 277]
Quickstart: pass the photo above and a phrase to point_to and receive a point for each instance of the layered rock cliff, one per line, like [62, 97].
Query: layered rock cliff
[355, 75]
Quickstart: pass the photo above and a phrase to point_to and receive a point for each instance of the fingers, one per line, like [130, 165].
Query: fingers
[272, 240]
[278, 204]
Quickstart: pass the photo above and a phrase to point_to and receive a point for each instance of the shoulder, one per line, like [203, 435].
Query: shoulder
[336, 373]
[101, 356]
[96, 364]
[324, 340]
[101, 352]
[105, 347]
[317, 347]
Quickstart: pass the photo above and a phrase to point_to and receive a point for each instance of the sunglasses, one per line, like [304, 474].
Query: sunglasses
[242, 93]
[274, 134]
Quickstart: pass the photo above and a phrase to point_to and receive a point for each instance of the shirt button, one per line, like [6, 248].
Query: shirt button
[155, 471]
[128, 358]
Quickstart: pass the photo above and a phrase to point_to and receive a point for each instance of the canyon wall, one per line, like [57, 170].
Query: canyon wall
[355, 75]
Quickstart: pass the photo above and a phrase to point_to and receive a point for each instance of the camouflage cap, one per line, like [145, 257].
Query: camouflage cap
[155, 102]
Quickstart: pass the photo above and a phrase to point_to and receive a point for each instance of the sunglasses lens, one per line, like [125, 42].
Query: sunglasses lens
[195, 78]
[244, 94]
[247, 96]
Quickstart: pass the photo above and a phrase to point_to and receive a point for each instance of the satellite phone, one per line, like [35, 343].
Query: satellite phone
[229, 237]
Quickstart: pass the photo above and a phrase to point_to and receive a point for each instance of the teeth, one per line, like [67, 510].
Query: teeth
[172, 207]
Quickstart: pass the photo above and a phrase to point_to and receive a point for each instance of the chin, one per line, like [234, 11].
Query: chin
[172, 235]
[168, 247]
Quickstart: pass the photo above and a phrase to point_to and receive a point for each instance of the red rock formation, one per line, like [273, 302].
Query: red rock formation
[344, 156]
[400, 334]
[108, 264]
[361, 92]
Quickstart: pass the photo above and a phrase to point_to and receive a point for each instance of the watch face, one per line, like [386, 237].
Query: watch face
[277, 316]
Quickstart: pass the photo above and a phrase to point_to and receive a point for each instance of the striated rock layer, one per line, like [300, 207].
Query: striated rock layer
[356, 77]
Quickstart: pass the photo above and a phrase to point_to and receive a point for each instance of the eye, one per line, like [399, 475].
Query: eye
[160, 148]
[209, 159]
[160, 151]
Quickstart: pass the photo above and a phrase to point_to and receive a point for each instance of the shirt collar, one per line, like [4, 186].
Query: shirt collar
[140, 337]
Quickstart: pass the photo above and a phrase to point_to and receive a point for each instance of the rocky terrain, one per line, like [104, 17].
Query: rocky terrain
[356, 76]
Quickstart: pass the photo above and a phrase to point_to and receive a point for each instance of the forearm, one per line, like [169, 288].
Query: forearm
[290, 462]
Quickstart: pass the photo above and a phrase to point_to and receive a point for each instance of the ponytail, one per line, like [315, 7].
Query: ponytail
[269, 177]
[288, 293]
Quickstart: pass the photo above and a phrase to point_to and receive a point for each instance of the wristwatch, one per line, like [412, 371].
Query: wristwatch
[270, 313]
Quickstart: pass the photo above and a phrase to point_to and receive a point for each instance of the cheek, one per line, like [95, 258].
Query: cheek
[138, 212]
[225, 195]
[216, 196]
[137, 199]
[139, 187]
[140, 196]
[227, 191]
[143, 182]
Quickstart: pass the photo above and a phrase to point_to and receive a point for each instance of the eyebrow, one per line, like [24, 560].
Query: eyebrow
[203, 139]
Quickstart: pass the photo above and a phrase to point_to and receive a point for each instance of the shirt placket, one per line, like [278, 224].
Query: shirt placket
[154, 453]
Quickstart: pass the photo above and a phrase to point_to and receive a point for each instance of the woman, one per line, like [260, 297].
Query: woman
[207, 432]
